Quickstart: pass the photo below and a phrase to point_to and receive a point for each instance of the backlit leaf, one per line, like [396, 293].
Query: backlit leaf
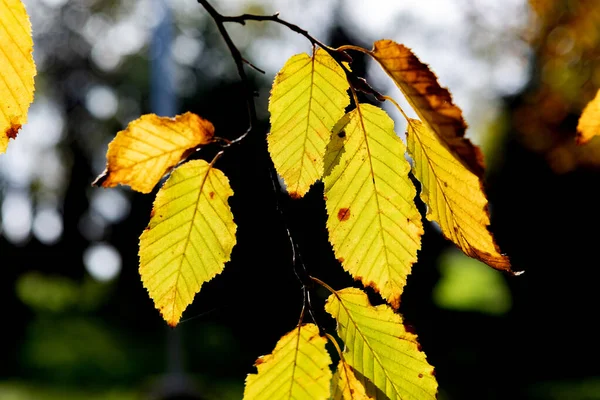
[378, 346]
[374, 225]
[345, 385]
[17, 69]
[140, 155]
[454, 196]
[308, 97]
[432, 103]
[189, 238]
[589, 122]
[297, 369]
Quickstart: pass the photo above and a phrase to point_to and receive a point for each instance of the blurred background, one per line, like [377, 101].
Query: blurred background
[77, 322]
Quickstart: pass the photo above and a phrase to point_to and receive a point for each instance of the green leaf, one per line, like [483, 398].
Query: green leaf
[189, 238]
[346, 386]
[373, 223]
[298, 368]
[379, 347]
[308, 97]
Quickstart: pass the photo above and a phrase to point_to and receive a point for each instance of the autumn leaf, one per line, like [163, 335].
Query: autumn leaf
[378, 346]
[149, 147]
[454, 196]
[589, 122]
[308, 97]
[189, 238]
[373, 223]
[17, 69]
[432, 103]
[297, 369]
[346, 386]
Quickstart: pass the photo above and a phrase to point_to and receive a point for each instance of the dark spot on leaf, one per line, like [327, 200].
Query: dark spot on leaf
[13, 131]
[445, 184]
[295, 195]
[419, 347]
[409, 329]
[420, 375]
[259, 361]
[341, 259]
[211, 195]
[342, 134]
[344, 214]
[152, 213]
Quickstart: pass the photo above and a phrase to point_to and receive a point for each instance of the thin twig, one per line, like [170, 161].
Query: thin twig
[340, 56]
[239, 63]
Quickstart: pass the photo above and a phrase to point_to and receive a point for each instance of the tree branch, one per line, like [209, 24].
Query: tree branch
[239, 63]
[340, 56]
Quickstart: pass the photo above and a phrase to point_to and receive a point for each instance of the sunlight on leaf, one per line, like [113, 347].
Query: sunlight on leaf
[17, 69]
[432, 103]
[297, 369]
[140, 155]
[466, 285]
[345, 386]
[380, 348]
[309, 96]
[373, 223]
[454, 196]
[189, 238]
[589, 122]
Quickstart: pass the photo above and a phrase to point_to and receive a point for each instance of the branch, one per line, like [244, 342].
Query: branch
[298, 265]
[339, 55]
[239, 63]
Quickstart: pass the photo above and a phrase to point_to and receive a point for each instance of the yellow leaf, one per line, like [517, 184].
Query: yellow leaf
[140, 155]
[297, 369]
[189, 238]
[374, 225]
[589, 122]
[345, 384]
[432, 103]
[378, 346]
[309, 96]
[17, 69]
[454, 196]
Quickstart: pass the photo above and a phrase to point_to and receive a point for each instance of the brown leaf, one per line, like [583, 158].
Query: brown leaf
[432, 103]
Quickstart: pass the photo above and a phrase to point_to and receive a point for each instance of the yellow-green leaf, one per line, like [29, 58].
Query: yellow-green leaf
[378, 346]
[149, 147]
[432, 103]
[308, 97]
[17, 69]
[346, 386]
[297, 369]
[374, 225]
[189, 238]
[454, 196]
[589, 122]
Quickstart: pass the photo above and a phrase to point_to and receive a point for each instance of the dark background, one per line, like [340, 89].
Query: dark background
[67, 335]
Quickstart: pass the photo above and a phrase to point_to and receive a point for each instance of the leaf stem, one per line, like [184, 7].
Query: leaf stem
[388, 98]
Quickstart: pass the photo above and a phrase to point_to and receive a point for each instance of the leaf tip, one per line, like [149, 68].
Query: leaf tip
[13, 130]
[295, 195]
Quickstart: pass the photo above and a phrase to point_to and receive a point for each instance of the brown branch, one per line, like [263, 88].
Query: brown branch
[239, 63]
[340, 56]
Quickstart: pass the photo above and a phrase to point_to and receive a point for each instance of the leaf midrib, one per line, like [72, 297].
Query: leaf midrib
[187, 240]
